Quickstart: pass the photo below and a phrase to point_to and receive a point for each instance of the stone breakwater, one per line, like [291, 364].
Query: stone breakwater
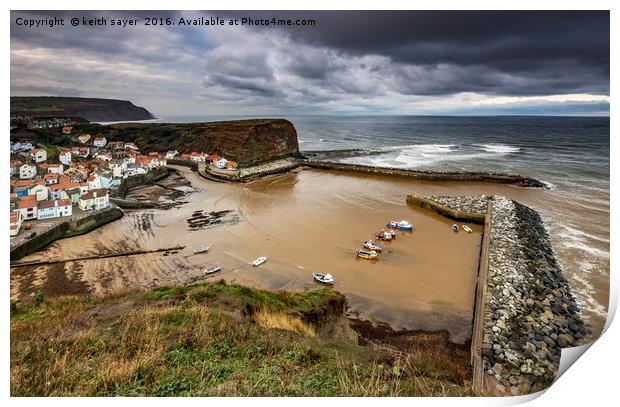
[529, 313]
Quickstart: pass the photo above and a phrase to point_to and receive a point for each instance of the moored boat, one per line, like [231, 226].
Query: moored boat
[383, 235]
[372, 246]
[365, 254]
[212, 270]
[325, 279]
[259, 261]
[392, 224]
[455, 227]
[467, 229]
[202, 249]
[404, 225]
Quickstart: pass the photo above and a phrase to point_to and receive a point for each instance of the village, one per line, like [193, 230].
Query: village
[53, 185]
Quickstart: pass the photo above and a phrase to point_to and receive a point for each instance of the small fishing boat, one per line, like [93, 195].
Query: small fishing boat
[467, 229]
[259, 261]
[387, 236]
[372, 246]
[212, 270]
[455, 227]
[365, 254]
[325, 279]
[202, 249]
[392, 224]
[404, 225]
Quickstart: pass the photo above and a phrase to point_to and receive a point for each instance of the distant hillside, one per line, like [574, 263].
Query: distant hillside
[93, 110]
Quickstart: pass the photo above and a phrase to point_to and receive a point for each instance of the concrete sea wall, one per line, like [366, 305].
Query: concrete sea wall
[66, 229]
[524, 311]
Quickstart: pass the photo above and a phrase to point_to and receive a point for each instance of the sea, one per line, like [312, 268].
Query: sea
[569, 154]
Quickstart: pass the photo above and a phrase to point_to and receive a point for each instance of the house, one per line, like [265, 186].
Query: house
[22, 146]
[100, 142]
[212, 158]
[65, 157]
[82, 152]
[16, 223]
[38, 155]
[171, 154]
[94, 182]
[198, 157]
[232, 165]
[84, 138]
[57, 190]
[50, 179]
[54, 209]
[105, 178]
[41, 191]
[118, 167]
[158, 162]
[27, 207]
[135, 169]
[67, 129]
[221, 163]
[15, 164]
[94, 200]
[72, 194]
[27, 171]
[103, 157]
[51, 168]
[131, 146]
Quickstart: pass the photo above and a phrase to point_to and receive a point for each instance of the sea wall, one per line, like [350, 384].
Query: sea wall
[66, 229]
[427, 175]
[524, 310]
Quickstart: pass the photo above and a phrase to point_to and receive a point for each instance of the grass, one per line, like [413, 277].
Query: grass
[212, 339]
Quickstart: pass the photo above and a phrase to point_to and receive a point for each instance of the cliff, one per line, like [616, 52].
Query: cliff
[94, 110]
[249, 142]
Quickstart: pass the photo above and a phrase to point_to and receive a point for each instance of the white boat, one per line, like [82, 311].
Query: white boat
[404, 225]
[212, 270]
[365, 254]
[455, 227]
[372, 246]
[325, 279]
[259, 261]
[202, 249]
[467, 229]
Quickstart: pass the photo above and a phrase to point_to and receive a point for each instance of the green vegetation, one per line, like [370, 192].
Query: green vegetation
[212, 339]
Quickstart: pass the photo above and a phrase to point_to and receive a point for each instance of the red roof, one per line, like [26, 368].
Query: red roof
[64, 185]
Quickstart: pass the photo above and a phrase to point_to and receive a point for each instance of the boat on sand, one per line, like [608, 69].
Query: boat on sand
[259, 261]
[368, 244]
[402, 225]
[325, 279]
[365, 254]
[467, 229]
[202, 249]
[212, 270]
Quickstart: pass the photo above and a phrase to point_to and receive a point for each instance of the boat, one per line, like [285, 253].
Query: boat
[212, 270]
[392, 224]
[467, 229]
[455, 227]
[259, 261]
[383, 235]
[202, 249]
[368, 244]
[365, 254]
[325, 279]
[404, 225]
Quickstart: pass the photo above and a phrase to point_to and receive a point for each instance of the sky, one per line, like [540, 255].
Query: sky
[347, 63]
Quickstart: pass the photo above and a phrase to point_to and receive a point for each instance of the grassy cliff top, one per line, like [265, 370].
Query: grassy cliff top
[207, 339]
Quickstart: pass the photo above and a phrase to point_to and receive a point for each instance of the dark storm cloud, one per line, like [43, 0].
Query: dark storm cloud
[574, 44]
[353, 61]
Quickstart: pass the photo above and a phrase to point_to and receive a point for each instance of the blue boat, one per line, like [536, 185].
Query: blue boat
[404, 225]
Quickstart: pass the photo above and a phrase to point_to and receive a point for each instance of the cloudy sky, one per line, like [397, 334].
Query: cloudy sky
[347, 63]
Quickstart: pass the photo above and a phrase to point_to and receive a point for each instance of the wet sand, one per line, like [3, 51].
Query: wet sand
[306, 221]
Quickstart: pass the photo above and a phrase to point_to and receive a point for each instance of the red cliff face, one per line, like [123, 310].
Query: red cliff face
[248, 142]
